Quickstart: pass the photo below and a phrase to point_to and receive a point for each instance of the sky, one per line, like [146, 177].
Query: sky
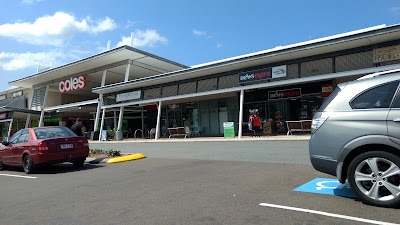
[40, 33]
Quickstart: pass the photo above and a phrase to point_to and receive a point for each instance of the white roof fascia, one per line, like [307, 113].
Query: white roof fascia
[71, 105]
[263, 85]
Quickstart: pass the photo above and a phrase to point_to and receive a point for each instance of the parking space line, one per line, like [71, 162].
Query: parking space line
[10, 175]
[327, 214]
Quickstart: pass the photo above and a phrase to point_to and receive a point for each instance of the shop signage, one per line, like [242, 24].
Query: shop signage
[17, 94]
[262, 74]
[72, 84]
[229, 129]
[129, 96]
[3, 116]
[387, 54]
[288, 93]
[326, 90]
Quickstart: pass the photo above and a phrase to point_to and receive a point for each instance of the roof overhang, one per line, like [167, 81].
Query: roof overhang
[280, 83]
[26, 111]
[91, 64]
[360, 38]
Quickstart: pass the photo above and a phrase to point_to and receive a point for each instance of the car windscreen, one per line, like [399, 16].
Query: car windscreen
[53, 132]
[329, 99]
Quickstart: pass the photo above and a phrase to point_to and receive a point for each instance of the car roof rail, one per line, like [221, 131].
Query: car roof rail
[377, 74]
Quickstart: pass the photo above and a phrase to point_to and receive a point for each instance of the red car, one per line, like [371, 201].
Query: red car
[43, 145]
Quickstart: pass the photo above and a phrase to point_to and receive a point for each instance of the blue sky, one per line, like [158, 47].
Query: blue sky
[39, 32]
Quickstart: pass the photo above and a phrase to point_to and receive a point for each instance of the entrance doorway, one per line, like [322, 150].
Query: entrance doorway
[174, 118]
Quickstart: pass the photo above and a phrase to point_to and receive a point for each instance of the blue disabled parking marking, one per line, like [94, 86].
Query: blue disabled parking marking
[326, 186]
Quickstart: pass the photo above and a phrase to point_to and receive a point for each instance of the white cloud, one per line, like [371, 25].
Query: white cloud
[29, 2]
[219, 45]
[147, 38]
[18, 61]
[54, 30]
[199, 33]
[395, 10]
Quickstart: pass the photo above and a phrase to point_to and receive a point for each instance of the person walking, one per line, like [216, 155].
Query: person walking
[78, 128]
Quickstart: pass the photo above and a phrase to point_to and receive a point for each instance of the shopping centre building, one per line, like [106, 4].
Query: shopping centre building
[130, 90]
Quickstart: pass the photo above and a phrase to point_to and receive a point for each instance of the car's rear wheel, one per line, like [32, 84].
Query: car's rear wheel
[2, 166]
[78, 163]
[375, 178]
[27, 164]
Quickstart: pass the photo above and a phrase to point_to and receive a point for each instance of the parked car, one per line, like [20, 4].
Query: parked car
[356, 136]
[44, 145]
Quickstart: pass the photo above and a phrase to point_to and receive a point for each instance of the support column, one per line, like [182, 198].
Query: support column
[100, 104]
[28, 117]
[9, 129]
[102, 123]
[127, 70]
[158, 121]
[121, 117]
[241, 114]
[43, 106]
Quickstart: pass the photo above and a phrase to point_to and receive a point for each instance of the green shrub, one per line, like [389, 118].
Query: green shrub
[111, 152]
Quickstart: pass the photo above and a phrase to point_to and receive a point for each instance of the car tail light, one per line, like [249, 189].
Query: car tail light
[43, 146]
[318, 120]
[85, 143]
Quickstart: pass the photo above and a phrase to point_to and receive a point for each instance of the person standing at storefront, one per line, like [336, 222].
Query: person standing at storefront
[256, 124]
[78, 128]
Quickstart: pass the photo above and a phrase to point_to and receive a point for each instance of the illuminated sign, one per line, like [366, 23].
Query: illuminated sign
[72, 84]
[262, 74]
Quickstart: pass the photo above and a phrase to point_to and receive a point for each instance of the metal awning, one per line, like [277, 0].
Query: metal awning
[334, 43]
[95, 62]
[10, 109]
[302, 80]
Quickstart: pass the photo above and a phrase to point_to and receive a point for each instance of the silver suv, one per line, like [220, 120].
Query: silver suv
[356, 136]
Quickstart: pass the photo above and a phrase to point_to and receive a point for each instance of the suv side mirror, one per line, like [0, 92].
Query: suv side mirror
[5, 143]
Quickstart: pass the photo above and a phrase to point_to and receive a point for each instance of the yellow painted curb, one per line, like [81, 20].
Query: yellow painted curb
[126, 158]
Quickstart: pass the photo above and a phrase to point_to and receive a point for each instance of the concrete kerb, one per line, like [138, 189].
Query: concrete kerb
[305, 137]
[123, 158]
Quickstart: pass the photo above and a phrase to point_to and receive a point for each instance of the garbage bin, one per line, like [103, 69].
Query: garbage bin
[94, 135]
[119, 135]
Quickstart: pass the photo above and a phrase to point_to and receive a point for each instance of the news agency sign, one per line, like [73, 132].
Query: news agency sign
[262, 74]
[288, 93]
[128, 96]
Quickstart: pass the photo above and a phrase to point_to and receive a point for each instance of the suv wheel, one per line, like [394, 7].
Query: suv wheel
[375, 178]
[2, 166]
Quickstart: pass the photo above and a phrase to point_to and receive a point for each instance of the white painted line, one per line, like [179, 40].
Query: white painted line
[328, 214]
[9, 175]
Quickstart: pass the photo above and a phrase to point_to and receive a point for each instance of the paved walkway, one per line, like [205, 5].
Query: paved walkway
[300, 137]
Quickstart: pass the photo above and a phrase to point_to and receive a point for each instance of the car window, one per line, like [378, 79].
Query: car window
[378, 97]
[23, 137]
[53, 132]
[14, 138]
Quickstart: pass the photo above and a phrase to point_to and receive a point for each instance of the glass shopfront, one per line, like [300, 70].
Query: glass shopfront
[285, 104]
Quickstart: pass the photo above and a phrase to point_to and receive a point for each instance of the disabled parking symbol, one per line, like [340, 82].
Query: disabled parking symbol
[326, 186]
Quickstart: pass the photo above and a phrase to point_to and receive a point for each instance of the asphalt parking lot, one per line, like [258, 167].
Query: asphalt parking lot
[177, 191]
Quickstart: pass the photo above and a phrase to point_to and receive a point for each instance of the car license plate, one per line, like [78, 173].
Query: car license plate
[66, 146]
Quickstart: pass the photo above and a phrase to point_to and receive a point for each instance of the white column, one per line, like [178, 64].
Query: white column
[100, 104]
[28, 117]
[9, 129]
[158, 121]
[121, 117]
[132, 38]
[43, 106]
[127, 70]
[102, 123]
[241, 114]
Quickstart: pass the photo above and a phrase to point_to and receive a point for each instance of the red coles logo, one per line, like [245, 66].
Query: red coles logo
[72, 84]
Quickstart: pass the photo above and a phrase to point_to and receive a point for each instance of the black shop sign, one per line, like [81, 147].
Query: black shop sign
[288, 93]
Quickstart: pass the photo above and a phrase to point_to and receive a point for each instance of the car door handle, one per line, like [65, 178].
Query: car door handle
[397, 120]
